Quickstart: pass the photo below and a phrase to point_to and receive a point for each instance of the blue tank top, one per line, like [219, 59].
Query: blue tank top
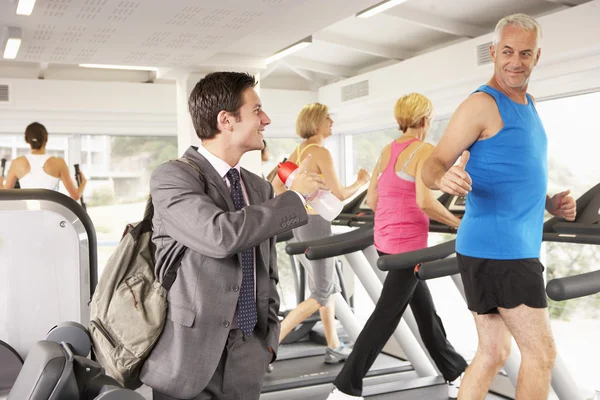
[504, 214]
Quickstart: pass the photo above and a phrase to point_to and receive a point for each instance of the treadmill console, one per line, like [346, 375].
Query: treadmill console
[363, 205]
[457, 204]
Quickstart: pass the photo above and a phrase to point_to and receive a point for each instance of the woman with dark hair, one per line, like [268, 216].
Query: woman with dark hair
[39, 170]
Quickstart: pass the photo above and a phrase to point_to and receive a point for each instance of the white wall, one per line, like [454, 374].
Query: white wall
[570, 63]
[283, 106]
[88, 107]
[121, 108]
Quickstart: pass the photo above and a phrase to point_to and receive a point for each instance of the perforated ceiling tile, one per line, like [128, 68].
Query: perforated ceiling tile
[33, 52]
[207, 42]
[183, 39]
[84, 55]
[181, 59]
[155, 40]
[102, 35]
[44, 32]
[252, 14]
[73, 35]
[158, 58]
[60, 54]
[184, 16]
[123, 11]
[222, 11]
[238, 23]
[90, 9]
[135, 57]
[56, 8]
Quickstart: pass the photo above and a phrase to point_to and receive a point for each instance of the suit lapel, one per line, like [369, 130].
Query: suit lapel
[254, 196]
[253, 193]
[211, 175]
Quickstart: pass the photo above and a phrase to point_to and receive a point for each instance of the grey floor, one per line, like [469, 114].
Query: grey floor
[435, 393]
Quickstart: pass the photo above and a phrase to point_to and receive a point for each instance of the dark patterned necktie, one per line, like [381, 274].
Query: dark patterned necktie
[246, 303]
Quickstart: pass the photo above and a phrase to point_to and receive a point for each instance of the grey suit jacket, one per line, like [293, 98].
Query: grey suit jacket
[198, 213]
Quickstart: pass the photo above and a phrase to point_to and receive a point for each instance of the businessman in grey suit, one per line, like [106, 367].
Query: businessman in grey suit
[222, 328]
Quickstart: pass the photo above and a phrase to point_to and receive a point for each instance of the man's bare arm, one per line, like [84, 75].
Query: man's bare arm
[464, 129]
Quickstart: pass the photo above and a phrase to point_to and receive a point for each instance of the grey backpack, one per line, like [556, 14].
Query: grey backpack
[129, 306]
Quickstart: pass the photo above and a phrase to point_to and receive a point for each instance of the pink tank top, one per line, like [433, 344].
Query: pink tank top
[400, 225]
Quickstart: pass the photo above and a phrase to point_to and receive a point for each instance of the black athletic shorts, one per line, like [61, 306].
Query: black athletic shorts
[490, 284]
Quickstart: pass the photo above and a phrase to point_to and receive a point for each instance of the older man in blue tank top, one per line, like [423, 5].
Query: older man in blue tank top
[503, 167]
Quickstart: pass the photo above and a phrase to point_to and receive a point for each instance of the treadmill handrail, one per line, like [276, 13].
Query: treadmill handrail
[571, 287]
[437, 227]
[571, 238]
[71, 205]
[300, 247]
[576, 228]
[360, 241]
[437, 269]
[412, 258]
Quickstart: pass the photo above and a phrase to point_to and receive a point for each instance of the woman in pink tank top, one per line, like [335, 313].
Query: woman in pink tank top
[403, 206]
[400, 224]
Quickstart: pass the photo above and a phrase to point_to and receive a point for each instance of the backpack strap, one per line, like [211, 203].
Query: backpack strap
[171, 274]
[191, 164]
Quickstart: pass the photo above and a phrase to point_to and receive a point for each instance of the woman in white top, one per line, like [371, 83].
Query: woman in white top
[39, 170]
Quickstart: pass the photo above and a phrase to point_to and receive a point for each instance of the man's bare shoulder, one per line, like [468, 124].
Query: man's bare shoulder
[478, 102]
[476, 108]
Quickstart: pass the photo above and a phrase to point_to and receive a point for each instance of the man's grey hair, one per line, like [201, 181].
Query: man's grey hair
[522, 21]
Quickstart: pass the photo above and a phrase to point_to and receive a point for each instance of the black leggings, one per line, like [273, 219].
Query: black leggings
[399, 288]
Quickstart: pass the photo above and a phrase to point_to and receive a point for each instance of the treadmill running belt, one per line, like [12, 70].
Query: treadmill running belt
[437, 392]
[307, 371]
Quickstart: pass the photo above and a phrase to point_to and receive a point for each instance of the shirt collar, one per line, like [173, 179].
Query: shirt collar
[219, 165]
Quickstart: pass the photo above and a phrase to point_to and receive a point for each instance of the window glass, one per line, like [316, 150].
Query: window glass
[365, 148]
[118, 169]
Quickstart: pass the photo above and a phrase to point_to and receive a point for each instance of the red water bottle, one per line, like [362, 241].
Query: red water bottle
[322, 201]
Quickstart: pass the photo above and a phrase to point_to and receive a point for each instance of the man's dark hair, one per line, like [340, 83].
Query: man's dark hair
[216, 92]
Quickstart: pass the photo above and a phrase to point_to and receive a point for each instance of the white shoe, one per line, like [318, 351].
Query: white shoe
[337, 395]
[454, 386]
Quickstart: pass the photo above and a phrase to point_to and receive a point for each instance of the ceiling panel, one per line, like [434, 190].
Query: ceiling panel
[331, 54]
[386, 30]
[204, 35]
[480, 13]
[157, 32]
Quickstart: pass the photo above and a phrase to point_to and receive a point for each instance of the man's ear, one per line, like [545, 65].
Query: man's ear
[223, 121]
[537, 56]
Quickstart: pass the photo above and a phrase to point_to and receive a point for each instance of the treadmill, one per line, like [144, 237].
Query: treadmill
[584, 230]
[300, 364]
[425, 383]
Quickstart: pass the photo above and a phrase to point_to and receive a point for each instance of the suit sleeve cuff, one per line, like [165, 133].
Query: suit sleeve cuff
[301, 197]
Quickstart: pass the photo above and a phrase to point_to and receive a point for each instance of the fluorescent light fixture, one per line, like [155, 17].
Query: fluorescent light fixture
[377, 8]
[290, 49]
[127, 67]
[25, 7]
[13, 43]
